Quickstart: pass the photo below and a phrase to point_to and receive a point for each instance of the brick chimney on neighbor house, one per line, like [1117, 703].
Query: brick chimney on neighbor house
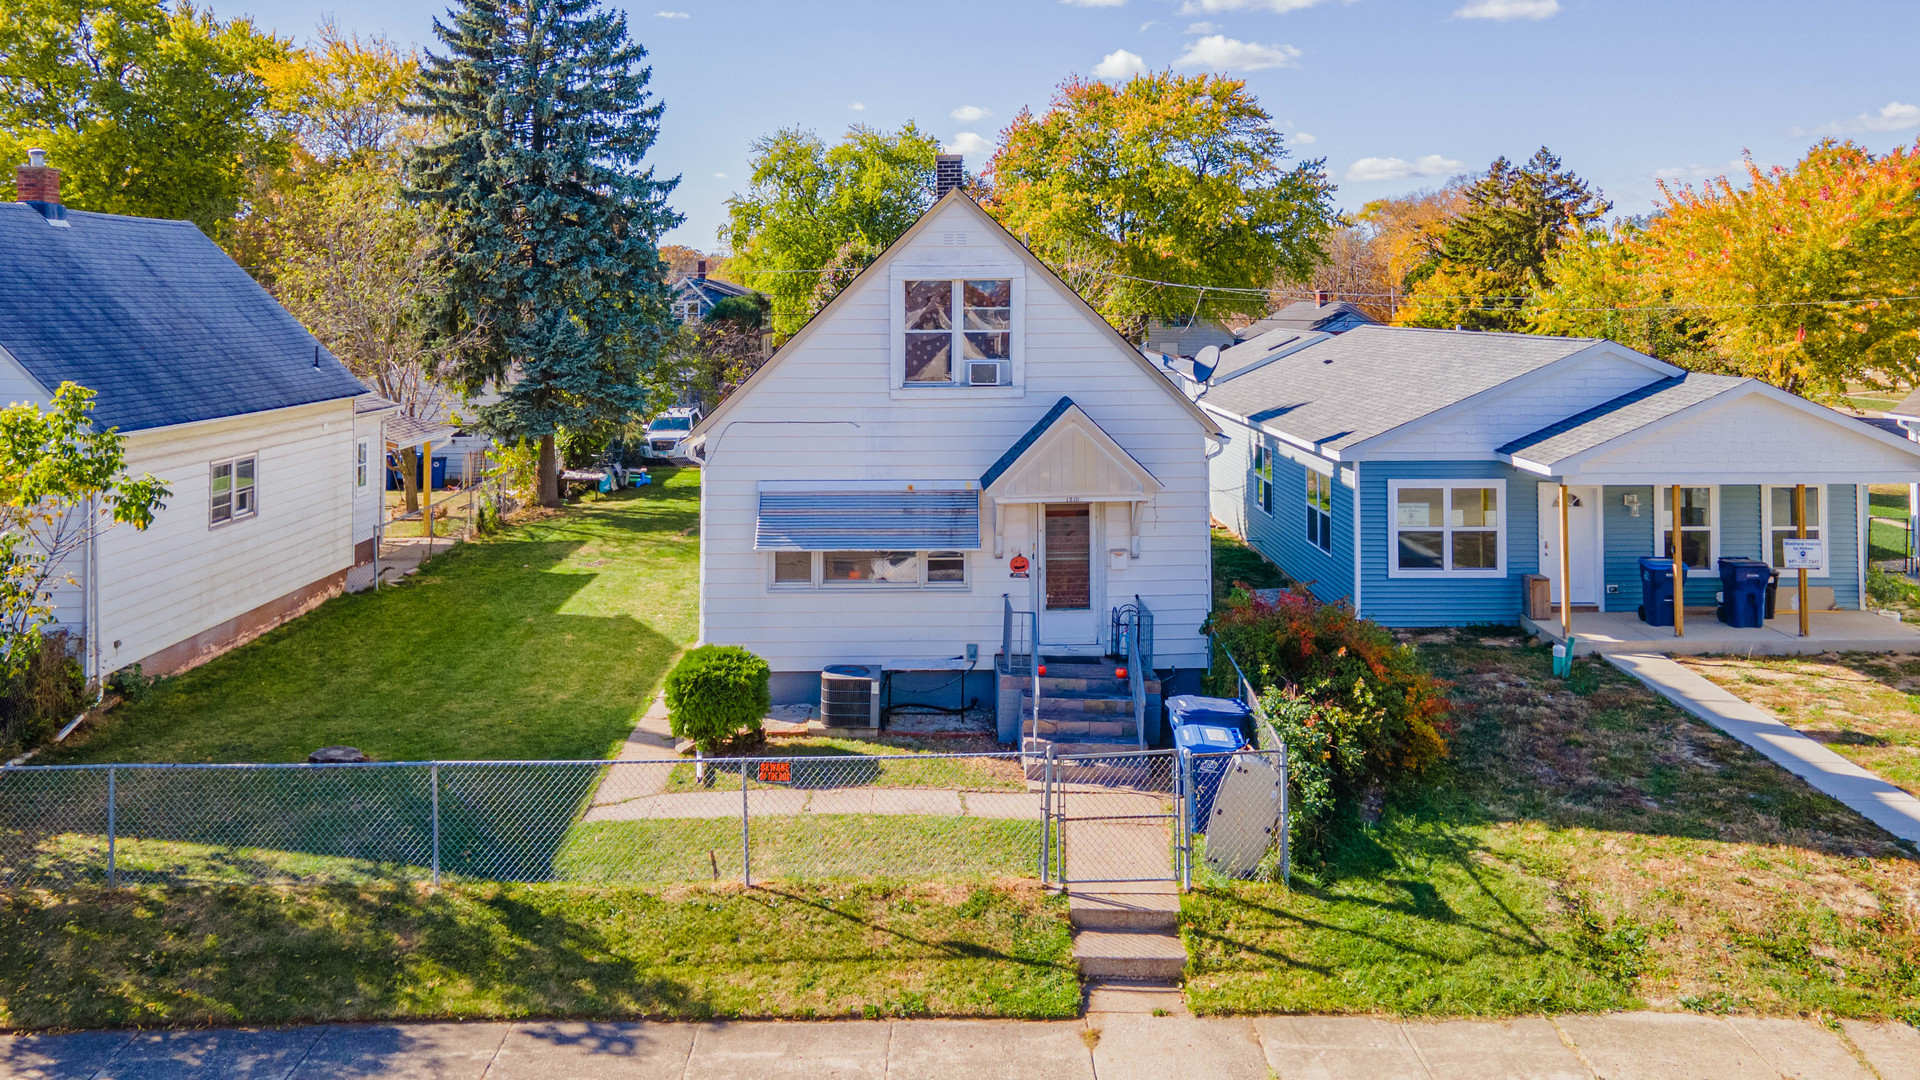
[700, 270]
[36, 181]
[949, 173]
[1320, 298]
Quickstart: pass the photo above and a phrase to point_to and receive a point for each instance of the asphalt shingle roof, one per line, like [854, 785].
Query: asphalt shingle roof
[1025, 442]
[1373, 379]
[154, 318]
[1307, 315]
[1240, 358]
[1611, 419]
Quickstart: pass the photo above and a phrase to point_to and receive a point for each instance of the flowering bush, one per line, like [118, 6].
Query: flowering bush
[1356, 710]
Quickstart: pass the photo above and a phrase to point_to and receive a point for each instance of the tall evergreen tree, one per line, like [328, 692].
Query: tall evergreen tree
[555, 286]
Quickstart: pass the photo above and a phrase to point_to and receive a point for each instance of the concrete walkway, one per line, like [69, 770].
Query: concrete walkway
[1104, 1046]
[1873, 798]
[399, 557]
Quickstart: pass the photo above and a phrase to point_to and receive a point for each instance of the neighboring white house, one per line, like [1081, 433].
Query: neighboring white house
[955, 434]
[220, 393]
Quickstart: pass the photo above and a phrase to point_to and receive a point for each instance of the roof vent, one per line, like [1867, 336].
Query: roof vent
[38, 185]
[949, 174]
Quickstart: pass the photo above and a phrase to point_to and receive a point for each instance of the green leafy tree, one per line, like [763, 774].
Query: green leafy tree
[555, 291]
[147, 109]
[1163, 178]
[343, 97]
[62, 482]
[1496, 253]
[809, 202]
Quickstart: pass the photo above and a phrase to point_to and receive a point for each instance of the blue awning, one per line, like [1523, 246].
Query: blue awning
[910, 519]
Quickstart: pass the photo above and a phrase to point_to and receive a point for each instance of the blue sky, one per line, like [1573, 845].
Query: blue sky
[1395, 94]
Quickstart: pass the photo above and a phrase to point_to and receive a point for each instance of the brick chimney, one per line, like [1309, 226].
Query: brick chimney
[700, 270]
[1320, 298]
[36, 181]
[949, 172]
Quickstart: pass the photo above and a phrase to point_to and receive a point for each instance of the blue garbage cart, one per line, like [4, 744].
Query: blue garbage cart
[1656, 591]
[1194, 741]
[1743, 592]
[1184, 709]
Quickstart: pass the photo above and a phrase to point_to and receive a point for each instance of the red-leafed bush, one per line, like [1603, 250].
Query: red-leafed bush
[1382, 716]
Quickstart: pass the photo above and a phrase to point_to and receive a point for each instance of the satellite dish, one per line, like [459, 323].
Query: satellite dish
[1204, 363]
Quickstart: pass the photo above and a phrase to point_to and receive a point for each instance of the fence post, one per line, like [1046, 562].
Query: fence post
[1286, 824]
[1184, 765]
[113, 868]
[433, 783]
[746, 843]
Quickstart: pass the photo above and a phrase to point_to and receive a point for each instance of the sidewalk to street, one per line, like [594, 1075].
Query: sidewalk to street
[1103, 1046]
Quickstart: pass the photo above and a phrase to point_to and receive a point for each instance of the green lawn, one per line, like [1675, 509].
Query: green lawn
[544, 642]
[1235, 564]
[157, 956]
[1588, 847]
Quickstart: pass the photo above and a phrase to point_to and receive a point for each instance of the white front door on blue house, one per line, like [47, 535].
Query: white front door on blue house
[1583, 530]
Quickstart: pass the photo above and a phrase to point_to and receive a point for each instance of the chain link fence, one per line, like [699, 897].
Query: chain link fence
[802, 817]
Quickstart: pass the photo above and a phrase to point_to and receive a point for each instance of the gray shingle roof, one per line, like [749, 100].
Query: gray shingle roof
[1373, 379]
[1627, 413]
[1243, 357]
[1909, 406]
[155, 319]
[1307, 315]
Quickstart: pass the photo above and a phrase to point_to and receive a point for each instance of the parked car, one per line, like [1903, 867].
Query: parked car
[666, 432]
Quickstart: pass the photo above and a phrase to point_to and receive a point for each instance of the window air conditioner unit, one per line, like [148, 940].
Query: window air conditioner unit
[983, 374]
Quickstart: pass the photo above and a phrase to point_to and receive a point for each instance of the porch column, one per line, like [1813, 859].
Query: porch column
[1679, 571]
[1800, 515]
[1566, 573]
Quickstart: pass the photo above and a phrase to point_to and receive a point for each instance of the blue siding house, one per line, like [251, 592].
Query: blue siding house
[1418, 474]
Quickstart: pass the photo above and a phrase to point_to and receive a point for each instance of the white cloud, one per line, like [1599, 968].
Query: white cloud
[1201, 28]
[1305, 139]
[1119, 64]
[1393, 168]
[1148, 25]
[719, 176]
[857, 106]
[968, 142]
[1094, 3]
[1214, 7]
[1893, 116]
[1504, 10]
[967, 114]
[671, 15]
[1223, 53]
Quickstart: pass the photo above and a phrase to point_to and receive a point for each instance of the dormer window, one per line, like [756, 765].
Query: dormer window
[974, 349]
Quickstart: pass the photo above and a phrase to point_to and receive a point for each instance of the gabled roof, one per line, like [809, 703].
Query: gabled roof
[708, 290]
[1372, 379]
[1909, 407]
[1331, 318]
[1025, 442]
[878, 268]
[1066, 455]
[1250, 354]
[155, 319]
[1627, 413]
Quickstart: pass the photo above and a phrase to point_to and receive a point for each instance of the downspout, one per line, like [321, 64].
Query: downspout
[90, 600]
[1863, 533]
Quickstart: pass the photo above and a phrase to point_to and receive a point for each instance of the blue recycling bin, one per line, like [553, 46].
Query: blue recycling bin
[1743, 592]
[1656, 591]
[1184, 709]
[1207, 772]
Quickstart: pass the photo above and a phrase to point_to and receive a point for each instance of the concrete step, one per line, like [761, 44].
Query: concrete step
[1152, 997]
[1037, 747]
[1107, 685]
[1145, 905]
[1082, 705]
[1105, 727]
[1129, 954]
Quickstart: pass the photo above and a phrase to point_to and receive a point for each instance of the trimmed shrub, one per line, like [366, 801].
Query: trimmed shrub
[1356, 709]
[717, 693]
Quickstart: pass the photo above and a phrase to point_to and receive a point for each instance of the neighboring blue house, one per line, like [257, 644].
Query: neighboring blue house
[695, 294]
[1416, 473]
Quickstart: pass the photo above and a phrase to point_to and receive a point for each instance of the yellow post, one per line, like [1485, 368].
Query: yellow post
[426, 489]
[1566, 573]
[1679, 571]
[1800, 516]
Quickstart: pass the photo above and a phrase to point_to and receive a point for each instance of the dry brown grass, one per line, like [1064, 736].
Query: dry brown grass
[1864, 706]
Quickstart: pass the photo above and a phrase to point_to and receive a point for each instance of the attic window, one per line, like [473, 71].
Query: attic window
[974, 349]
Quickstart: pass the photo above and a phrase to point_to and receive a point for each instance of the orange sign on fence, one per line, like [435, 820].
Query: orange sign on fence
[776, 772]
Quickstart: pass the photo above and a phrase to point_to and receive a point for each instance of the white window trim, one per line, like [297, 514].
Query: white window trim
[362, 465]
[1261, 449]
[1824, 524]
[1393, 527]
[820, 584]
[898, 276]
[234, 463]
[1663, 520]
[1324, 517]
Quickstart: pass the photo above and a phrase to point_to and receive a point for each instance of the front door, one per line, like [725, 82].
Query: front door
[1583, 531]
[1069, 577]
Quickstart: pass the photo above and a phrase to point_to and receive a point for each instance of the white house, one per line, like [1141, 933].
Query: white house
[955, 436]
[220, 393]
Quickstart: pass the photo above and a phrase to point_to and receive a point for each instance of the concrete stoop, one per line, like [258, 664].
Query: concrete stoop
[1128, 931]
[1129, 954]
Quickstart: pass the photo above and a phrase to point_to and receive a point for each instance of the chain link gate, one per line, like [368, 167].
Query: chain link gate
[1114, 817]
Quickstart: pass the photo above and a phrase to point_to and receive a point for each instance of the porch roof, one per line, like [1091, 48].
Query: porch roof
[1623, 415]
[1066, 457]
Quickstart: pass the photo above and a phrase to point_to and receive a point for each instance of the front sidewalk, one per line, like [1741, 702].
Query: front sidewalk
[1106, 1046]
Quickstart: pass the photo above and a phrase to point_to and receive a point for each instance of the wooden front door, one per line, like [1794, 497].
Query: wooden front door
[1069, 575]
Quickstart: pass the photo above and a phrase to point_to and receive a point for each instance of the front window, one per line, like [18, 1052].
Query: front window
[1442, 527]
[974, 349]
[232, 490]
[1320, 510]
[1263, 478]
[1783, 519]
[1696, 525]
[869, 569]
